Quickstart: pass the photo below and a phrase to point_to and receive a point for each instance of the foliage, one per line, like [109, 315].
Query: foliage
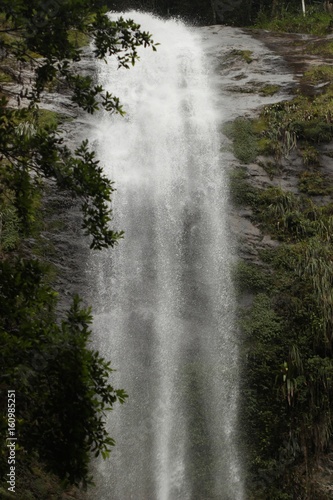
[288, 393]
[291, 20]
[302, 119]
[310, 156]
[61, 385]
[249, 277]
[34, 482]
[9, 228]
[233, 12]
[26, 144]
[287, 331]
[196, 11]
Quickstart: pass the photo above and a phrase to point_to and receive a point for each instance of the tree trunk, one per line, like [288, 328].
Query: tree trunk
[303, 7]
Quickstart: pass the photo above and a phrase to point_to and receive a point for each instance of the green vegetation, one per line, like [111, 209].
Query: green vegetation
[291, 20]
[249, 277]
[310, 156]
[314, 183]
[301, 122]
[78, 39]
[242, 193]
[5, 77]
[244, 139]
[324, 48]
[287, 331]
[319, 74]
[287, 343]
[268, 90]
[62, 386]
[244, 54]
[271, 167]
[35, 483]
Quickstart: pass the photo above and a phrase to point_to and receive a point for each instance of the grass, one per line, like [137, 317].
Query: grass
[303, 119]
[296, 278]
[323, 48]
[310, 156]
[244, 139]
[9, 228]
[316, 21]
[314, 183]
[319, 74]
[241, 192]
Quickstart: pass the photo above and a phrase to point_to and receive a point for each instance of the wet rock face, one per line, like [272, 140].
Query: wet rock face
[242, 67]
[66, 247]
[244, 63]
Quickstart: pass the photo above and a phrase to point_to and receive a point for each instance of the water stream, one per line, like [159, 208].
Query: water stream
[163, 301]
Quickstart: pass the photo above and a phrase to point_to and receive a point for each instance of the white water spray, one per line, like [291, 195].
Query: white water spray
[164, 309]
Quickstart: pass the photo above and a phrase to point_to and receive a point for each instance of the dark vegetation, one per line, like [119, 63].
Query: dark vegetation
[62, 386]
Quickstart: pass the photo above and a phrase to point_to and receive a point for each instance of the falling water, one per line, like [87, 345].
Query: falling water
[164, 309]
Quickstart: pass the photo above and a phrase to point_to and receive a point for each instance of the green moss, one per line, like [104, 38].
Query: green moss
[244, 138]
[45, 118]
[268, 90]
[5, 77]
[267, 146]
[259, 125]
[244, 54]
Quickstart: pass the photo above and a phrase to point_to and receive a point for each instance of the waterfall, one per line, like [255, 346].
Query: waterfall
[163, 300]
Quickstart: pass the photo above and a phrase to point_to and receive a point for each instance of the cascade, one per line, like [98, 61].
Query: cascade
[163, 299]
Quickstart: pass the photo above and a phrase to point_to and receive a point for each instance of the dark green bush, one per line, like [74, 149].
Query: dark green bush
[62, 386]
